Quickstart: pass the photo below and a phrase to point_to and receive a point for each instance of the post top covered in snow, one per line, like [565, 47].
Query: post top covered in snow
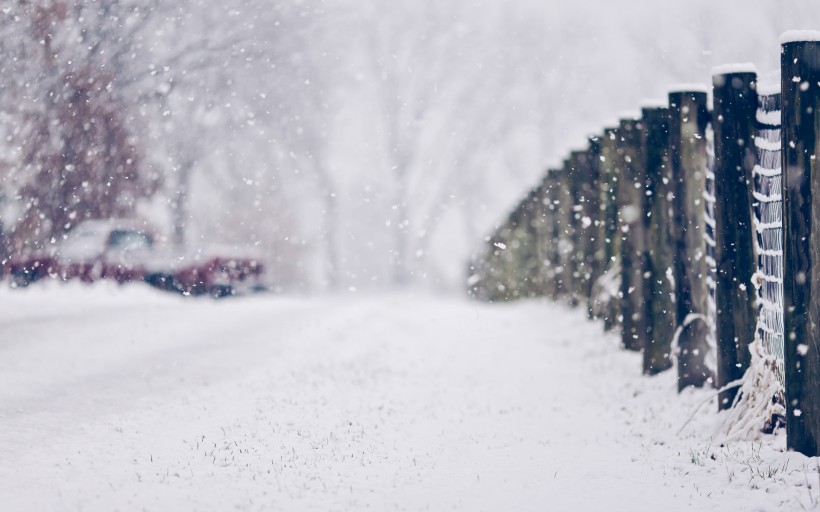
[691, 87]
[553, 164]
[798, 36]
[768, 88]
[728, 69]
[629, 115]
[654, 103]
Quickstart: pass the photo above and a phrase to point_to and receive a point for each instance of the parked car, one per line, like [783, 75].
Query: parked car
[125, 250]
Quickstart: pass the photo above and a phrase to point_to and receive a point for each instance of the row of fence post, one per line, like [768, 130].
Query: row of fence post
[622, 228]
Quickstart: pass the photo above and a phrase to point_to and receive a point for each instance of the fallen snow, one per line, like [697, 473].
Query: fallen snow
[688, 88]
[128, 399]
[768, 87]
[798, 36]
[630, 115]
[728, 69]
[653, 104]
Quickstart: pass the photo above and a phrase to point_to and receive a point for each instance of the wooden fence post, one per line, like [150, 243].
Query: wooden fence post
[542, 241]
[506, 257]
[553, 254]
[575, 176]
[532, 269]
[522, 250]
[657, 355]
[735, 110]
[632, 198]
[583, 213]
[519, 278]
[688, 118]
[800, 82]
[610, 229]
[493, 272]
[594, 213]
[567, 241]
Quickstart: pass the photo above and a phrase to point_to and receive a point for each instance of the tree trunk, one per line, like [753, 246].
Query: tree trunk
[179, 204]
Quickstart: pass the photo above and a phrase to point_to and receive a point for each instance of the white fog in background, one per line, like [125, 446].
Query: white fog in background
[363, 143]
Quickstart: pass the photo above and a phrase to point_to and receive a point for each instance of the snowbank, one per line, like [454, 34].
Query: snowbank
[127, 398]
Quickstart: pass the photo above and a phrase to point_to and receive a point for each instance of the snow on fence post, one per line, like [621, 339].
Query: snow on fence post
[632, 199]
[800, 83]
[688, 118]
[657, 355]
[734, 114]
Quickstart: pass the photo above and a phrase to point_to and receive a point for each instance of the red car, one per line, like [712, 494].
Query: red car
[125, 251]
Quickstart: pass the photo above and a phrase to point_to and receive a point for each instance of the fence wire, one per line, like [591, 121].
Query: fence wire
[768, 213]
[709, 237]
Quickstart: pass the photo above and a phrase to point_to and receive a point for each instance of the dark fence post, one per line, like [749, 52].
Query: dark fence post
[657, 355]
[800, 82]
[576, 178]
[688, 118]
[608, 284]
[517, 251]
[632, 197]
[596, 301]
[542, 242]
[506, 257]
[735, 110]
[493, 271]
[595, 215]
[568, 241]
[585, 210]
[553, 197]
[527, 262]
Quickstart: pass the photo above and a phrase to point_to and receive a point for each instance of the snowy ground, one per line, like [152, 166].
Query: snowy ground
[127, 399]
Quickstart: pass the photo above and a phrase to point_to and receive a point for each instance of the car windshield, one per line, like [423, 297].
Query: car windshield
[129, 240]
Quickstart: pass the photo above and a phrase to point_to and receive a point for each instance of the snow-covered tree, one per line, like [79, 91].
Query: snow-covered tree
[76, 156]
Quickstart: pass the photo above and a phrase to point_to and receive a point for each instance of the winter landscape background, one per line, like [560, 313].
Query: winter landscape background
[356, 143]
[363, 149]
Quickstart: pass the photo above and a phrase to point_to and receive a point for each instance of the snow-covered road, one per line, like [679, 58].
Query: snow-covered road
[126, 399]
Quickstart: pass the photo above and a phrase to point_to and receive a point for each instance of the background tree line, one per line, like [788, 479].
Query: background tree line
[355, 143]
